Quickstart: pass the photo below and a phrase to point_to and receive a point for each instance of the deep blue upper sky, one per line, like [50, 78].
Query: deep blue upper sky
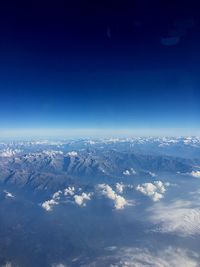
[95, 64]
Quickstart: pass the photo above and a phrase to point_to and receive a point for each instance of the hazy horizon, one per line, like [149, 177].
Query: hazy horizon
[13, 134]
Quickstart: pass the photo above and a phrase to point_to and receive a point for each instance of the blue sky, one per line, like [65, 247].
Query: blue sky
[99, 71]
[126, 99]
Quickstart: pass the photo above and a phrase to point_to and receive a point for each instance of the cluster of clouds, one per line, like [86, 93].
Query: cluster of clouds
[155, 190]
[129, 172]
[81, 199]
[180, 217]
[69, 191]
[107, 191]
[78, 198]
[48, 205]
[143, 257]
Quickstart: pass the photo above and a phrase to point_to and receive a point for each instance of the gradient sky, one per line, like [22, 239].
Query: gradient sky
[100, 65]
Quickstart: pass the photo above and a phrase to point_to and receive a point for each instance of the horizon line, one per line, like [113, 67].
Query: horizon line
[31, 133]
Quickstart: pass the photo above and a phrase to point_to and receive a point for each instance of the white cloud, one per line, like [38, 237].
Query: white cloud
[49, 204]
[119, 188]
[72, 154]
[195, 174]
[107, 191]
[126, 172]
[152, 174]
[82, 199]
[153, 190]
[119, 201]
[8, 194]
[160, 186]
[180, 217]
[69, 191]
[57, 194]
[132, 171]
[129, 172]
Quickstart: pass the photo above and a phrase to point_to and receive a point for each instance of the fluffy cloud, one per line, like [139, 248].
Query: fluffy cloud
[49, 204]
[129, 172]
[69, 191]
[119, 201]
[126, 172]
[57, 194]
[72, 154]
[180, 217]
[153, 190]
[119, 188]
[82, 199]
[56, 199]
[73, 195]
[195, 174]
